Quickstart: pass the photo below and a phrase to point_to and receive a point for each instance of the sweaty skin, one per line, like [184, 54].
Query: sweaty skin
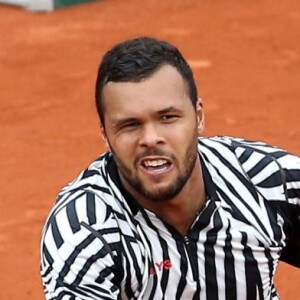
[151, 128]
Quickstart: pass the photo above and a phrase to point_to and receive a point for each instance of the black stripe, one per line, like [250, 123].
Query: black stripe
[253, 279]
[49, 262]
[260, 166]
[273, 180]
[270, 264]
[89, 173]
[293, 193]
[291, 175]
[47, 255]
[65, 293]
[245, 155]
[91, 208]
[183, 268]
[56, 234]
[92, 288]
[165, 272]
[72, 216]
[92, 186]
[210, 263]
[230, 276]
[195, 266]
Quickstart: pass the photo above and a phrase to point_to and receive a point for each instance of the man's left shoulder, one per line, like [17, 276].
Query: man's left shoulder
[239, 144]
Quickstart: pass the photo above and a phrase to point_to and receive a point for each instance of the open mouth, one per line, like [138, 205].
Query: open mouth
[156, 165]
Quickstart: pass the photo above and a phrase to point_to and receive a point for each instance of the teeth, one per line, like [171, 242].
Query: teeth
[154, 163]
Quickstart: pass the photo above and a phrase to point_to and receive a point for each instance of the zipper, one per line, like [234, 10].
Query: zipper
[186, 241]
[192, 256]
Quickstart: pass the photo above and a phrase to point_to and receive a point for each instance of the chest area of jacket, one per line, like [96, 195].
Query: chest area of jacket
[214, 240]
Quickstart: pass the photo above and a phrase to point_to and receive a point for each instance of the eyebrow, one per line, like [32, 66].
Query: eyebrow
[168, 109]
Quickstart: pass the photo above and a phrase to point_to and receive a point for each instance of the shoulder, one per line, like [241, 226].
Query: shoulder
[259, 160]
[243, 148]
[235, 142]
[92, 177]
[92, 199]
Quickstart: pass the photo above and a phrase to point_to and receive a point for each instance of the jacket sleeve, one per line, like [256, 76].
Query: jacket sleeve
[75, 262]
[276, 176]
[291, 167]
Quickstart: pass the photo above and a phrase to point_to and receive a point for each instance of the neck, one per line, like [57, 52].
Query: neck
[180, 211]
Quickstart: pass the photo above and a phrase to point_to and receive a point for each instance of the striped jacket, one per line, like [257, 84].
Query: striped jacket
[98, 243]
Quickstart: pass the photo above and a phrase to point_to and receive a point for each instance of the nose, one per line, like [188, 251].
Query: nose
[150, 136]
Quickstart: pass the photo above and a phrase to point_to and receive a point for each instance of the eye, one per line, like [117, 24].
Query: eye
[133, 124]
[169, 118]
[130, 125]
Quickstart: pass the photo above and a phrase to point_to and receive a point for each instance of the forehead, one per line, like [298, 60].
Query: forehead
[163, 88]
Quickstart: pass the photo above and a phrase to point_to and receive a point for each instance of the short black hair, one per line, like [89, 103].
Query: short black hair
[137, 59]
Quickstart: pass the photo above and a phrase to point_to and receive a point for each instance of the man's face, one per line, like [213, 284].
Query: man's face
[151, 129]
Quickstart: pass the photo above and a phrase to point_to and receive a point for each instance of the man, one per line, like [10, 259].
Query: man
[165, 214]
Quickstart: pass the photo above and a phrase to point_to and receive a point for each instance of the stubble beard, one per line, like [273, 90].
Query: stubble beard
[166, 193]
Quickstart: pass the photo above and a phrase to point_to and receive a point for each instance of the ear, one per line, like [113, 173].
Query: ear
[200, 116]
[104, 138]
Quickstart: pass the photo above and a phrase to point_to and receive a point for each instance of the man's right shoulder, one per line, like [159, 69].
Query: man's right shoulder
[94, 177]
[92, 185]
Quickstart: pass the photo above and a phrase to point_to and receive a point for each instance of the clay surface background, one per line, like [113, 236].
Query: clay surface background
[245, 55]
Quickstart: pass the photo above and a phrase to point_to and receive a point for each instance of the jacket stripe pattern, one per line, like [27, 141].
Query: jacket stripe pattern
[98, 243]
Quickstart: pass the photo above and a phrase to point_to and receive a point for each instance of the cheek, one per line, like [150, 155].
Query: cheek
[186, 145]
[123, 147]
[184, 137]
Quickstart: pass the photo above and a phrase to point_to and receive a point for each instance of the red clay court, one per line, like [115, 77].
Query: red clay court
[245, 55]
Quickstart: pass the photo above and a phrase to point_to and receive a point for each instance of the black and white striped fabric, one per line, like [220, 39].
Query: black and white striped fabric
[99, 244]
